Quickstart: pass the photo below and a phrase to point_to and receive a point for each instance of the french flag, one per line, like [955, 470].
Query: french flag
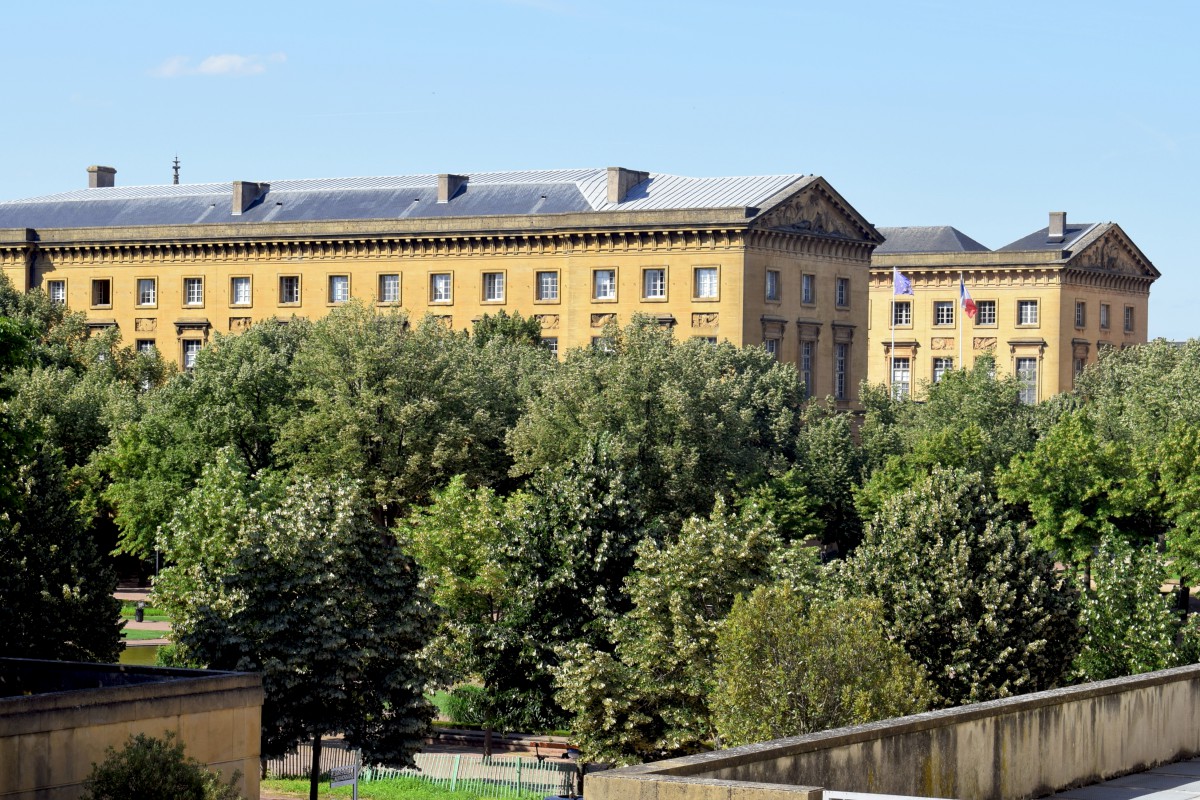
[967, 303]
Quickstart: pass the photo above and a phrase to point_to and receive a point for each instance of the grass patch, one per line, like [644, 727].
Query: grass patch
[139, 636]
[391, 789]
[441, 701]
[129, 611]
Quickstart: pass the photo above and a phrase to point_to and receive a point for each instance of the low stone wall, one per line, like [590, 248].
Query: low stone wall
[1010, 749]
[57, 718]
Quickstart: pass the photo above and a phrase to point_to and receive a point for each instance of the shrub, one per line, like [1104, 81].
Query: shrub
[149, 769]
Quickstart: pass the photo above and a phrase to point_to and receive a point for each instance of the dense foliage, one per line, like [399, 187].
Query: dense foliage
[149, 768]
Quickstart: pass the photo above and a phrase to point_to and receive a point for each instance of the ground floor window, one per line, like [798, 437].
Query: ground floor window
[1028, 378]
[901, 377]
[940, 367]
[841, 369]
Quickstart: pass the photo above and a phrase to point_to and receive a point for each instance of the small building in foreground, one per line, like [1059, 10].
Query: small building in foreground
[1046, 304]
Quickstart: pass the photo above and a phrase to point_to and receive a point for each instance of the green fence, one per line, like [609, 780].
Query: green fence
[491, 777]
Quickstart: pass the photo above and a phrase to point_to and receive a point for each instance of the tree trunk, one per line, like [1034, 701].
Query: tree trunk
[315, 777]
[487, 742]
[1183, 600]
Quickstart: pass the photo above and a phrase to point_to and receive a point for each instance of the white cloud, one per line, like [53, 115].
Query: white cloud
[222, 64]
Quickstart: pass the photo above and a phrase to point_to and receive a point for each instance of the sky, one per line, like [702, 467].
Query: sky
[982, 115]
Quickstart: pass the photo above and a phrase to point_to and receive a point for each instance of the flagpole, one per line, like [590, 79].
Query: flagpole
[961, 311]
[892, 353]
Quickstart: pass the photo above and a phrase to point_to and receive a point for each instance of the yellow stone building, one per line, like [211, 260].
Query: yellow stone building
[780, 261]
[1046, 304]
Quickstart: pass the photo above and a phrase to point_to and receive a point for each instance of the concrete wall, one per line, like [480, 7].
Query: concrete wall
[1002, 750]
[50, 739]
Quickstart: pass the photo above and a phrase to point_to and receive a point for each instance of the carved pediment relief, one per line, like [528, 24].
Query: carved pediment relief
[813, 210]
[600, 320]
[1112, 252]
[549, 321]
[941, 343]
[704, 320]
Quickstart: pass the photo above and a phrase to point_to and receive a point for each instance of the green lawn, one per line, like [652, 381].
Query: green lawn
[129, 609]
[392, 789]
[138, 636]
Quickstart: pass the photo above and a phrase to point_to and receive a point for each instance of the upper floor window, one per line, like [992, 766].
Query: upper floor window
[1129, 319]
[654, 284]
[808, 289]
[239, 291]
[841, 294]
[1104, 316]
[985, 312]
[57, 291]
[441, 287]
[943, 312]
[339, 288]
[101, 292]
[707, 284]
[147, 291]
[389, 288]
[901, 312]
[772, 287]
[193, 291]
[604, 284]
[1080, 314]
[493, 287]
[547, 288]
[1027, 312]
[289, 289]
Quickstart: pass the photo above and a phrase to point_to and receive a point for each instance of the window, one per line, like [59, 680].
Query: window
[1027, 377]
[57, 291]
[289, 290]
[602, 343]
[1080, 363]
[604, 284]
[902, 312]
[339, 288]
[102, 292]
[706, 339]
[773, 285]
[707, 286]
[1027, 312]
[551, 344]
[806, 366]
[441, 287]
[943, 312]
[841, 369]
[985, 312]
[239, 291]
[1080, 314]
[389, 288]
[901, 377]
[191, 348]
[841, 293]
[493, 287]
[145, 346]
[547, 287]
[940, 367]
[1104, 316]
[147, 289]
[193, 291]
[1129, 319]
[772, 346]
[654, 284]
[808, 289]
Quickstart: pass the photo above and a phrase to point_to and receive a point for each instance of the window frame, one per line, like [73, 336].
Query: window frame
[841, 292]
[808, 289]
[138, 297]
[233, 292]
[610, 284]
[1022, 305]
[1105, 316]
[108, 284]
[61, 283]
[715, 271]
[900, 390]
[140, 346]
[943, 310]
[330, 298]
[908, 308]
[771, 286]
[1127, 322]
[1080, 314]
[991, 308]
[841, 370]
[435, 280]
[381, 281]
[941, 365]
[771, 345]
[299, 290]
[550, 343]
[661, 297]
[184, 345]
[185, 295]
[488, 282]
[808, 359]
[1029, 385]
[538, 296]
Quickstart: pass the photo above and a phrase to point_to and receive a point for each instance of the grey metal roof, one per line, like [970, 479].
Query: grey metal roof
[927, 239]
[1039, 240]
[395, 197]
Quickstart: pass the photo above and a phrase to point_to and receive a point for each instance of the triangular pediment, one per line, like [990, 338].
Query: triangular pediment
[816, 208]
[1110, 250]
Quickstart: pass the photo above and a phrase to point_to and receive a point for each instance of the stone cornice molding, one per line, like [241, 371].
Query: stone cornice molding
[792, 243]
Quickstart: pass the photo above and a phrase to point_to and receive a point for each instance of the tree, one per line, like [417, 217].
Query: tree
[148, 768]
[646, 695]
[689, 419]
[962, 586]
[287, 575]
[512, 328]
[787, 666]
[1129, 626]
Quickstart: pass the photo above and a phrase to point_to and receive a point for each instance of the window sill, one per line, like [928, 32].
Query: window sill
[654, 299]
[706, 299]
[547, 302]
[604, 299]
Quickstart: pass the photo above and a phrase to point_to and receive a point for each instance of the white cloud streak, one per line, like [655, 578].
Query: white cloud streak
[230, 64]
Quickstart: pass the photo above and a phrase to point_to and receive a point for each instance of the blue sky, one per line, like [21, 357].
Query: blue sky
[984, 116]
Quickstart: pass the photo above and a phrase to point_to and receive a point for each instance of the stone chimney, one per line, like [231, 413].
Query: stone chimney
[448, 186]
[101, 177]
[246, 194]
[621, 180]
[1058, 226]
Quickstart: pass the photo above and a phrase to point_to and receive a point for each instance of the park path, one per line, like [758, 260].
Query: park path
[133, 596]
